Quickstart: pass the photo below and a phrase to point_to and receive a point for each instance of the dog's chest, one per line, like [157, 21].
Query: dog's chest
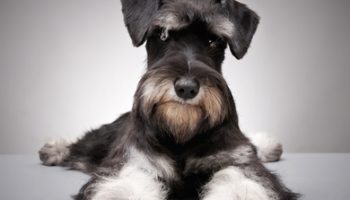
[185, 184]
[184, 175]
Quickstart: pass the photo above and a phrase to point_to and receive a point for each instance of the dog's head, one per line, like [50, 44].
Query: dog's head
[183, 92]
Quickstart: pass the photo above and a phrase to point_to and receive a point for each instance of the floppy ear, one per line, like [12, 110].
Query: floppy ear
[138, 15]
[245, 22]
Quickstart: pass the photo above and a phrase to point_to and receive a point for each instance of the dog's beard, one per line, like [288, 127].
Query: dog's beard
[178, 118]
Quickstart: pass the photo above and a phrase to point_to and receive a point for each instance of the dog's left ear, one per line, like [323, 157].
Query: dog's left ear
[245, 21]
[138, 15]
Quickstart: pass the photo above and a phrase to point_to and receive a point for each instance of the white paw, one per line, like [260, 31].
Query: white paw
[132, 183]
[268, 147]
[231, 184]
[53, 153]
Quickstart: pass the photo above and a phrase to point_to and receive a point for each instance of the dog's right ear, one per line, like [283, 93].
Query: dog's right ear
[138, 15]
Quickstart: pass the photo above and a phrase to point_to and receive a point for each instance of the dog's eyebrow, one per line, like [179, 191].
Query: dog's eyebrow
[222, 26]
[218, 25]
[170, 21]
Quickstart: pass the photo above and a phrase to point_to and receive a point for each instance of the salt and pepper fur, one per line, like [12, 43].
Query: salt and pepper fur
[166, 147]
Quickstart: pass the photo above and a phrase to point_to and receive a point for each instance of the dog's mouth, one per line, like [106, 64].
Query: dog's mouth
[184, 103]
[179, 111]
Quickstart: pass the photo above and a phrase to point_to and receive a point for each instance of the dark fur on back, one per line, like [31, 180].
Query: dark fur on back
[200, 136]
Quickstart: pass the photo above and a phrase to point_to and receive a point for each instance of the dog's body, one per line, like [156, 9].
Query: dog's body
[182, 139]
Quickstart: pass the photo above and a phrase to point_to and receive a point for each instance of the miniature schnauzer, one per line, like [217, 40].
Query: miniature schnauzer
[181, 140]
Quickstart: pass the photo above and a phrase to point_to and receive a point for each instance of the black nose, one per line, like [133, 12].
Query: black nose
[186, 88]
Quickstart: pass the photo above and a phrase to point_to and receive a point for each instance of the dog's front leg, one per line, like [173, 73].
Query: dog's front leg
[230, 183]
[131, 183]
[246, 182]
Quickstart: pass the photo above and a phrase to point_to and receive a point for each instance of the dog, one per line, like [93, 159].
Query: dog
[181, 140]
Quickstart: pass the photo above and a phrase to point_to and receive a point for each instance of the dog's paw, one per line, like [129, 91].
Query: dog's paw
[231, 183]
[54, 153]
[268, 148]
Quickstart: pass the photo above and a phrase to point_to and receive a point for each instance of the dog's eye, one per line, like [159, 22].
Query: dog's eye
[214, 41]
[164, 35]
[211, 42]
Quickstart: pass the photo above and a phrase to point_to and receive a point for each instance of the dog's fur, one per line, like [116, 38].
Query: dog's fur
[168, 147]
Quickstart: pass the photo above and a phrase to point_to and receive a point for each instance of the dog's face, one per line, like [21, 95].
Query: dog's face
[183, 92]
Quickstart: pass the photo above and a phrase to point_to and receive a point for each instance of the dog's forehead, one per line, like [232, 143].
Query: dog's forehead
[178, 14]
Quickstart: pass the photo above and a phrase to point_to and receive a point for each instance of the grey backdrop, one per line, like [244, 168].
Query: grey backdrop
[68, 66]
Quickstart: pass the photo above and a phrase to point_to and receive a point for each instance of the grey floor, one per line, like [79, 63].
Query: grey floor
[316, 176]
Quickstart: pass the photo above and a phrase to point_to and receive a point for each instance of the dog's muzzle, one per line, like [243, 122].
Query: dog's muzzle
[181, 103]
